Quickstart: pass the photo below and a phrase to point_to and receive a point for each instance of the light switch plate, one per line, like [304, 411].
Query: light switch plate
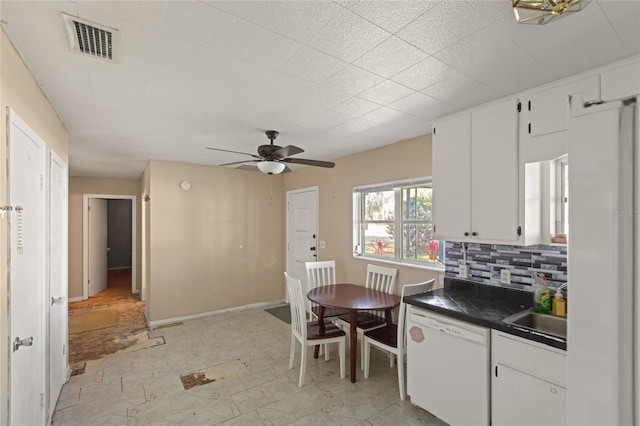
[464, 271]
[505, 276]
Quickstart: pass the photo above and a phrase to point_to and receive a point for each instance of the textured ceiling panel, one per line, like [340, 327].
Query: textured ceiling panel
[335, 77]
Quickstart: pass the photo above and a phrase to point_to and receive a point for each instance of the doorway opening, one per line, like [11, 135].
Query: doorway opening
[109, 243]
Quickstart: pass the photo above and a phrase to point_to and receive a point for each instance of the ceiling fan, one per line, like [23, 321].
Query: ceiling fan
[271, 158]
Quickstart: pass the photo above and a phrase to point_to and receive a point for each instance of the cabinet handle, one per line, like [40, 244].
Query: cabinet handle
[466, 234]
[473, 234]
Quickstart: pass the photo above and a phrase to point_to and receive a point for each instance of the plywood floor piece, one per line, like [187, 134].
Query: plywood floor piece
[212, 374]
[93, 319]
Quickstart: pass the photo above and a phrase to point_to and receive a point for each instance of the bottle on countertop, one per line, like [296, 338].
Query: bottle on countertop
[559, 305]
[542, 295]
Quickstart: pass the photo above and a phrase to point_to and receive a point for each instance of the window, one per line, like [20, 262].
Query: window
[560, 200]
[392, 221]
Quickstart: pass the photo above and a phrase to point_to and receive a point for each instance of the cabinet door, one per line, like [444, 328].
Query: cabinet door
[521, 399]
[451, 176]
[494, 172]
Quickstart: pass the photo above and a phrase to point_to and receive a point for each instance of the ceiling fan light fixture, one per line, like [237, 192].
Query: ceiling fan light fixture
[539, 12]
[271, 167]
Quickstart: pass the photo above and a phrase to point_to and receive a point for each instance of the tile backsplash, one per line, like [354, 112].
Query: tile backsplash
[485, 262]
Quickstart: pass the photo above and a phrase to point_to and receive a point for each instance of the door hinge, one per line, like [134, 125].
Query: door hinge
[519, 106]
[89, 208]
[529, 128]
[64, 349]
[519, 231]
[434, 229]
[434, 130]
[41, 400]
[496, 371]
[529, 105]
[41, 181]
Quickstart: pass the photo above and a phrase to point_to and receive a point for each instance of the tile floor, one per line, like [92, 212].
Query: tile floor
[144, 387]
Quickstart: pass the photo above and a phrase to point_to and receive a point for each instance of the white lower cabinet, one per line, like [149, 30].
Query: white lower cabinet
[528, 382]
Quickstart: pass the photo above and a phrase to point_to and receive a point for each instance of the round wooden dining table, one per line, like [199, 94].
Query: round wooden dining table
[353, 298]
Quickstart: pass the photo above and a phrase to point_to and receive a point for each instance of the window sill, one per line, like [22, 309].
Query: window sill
[403, 264]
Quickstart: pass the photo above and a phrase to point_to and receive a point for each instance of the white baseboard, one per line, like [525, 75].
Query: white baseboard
[75, 299]
[262, 305]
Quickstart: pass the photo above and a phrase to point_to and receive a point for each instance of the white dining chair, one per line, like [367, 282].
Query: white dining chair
[320, 274]
[392, 338]
[378, 278]
[308, 332]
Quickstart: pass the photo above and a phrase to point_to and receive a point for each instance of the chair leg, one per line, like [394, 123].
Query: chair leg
[341, 349]
[401, 384]
[391, 358]
[303, 364]
[361, 337]
[292, 353]
[367, 357]
[326, 351]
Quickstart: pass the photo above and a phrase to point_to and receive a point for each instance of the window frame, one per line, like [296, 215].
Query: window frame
[399, 222]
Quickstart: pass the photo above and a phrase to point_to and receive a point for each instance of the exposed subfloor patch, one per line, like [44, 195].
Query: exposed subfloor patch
[212, 374]
[78, 368]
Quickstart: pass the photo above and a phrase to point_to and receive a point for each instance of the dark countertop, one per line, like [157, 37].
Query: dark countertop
[483, 305]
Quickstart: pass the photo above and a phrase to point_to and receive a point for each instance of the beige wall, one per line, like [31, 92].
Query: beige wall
[406, 159]
[218, 245]
[20, 92]
[85, 185]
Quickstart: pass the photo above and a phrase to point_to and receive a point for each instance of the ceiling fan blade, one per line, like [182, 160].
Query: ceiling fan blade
[235, 152]
[286, 170]
[287, 151]
[317, 163]
[239, 162]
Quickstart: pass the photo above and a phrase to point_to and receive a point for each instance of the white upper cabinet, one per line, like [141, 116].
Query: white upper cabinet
[475, 175]
[621, 82]
[452, 176]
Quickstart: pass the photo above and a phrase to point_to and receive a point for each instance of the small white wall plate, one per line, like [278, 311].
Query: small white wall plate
[185, 184]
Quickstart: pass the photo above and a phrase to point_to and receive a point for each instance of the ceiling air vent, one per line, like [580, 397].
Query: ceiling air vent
[89, 38]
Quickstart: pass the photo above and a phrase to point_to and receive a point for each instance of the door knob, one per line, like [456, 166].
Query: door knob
[57, 300]
[22, 342]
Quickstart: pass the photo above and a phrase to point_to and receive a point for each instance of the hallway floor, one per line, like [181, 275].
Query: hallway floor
[144, 387]
[94, 344]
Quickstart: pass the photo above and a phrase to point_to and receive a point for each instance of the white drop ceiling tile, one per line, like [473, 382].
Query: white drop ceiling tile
[436, 110]
[593, 43]
[352, 80]
[390, 15]
[352, 126]
[313, 65]
[322, 98]
[216, 29]
[319, 124]
[461, 91]
[385, 92]
[424, 74]
[442, 26]
[513, 73]
[390, 57]
[43, 16]
[625, 18]
[355, 107]
[145, 13]
[382, 115]
[486, 45]
[493, 10]
[299, 20]
[607, 4]
[293, 114]
[287, 85]
[348, 36]
[414, 102]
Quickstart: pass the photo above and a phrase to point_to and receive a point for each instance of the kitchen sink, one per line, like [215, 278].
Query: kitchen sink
[545, 323]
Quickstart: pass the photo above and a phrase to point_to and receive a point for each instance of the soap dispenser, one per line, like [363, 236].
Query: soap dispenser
[559, 305]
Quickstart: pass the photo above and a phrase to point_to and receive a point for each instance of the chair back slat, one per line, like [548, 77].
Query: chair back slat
[319, 274]
[381, 278]
[297, 305]
[409, 290]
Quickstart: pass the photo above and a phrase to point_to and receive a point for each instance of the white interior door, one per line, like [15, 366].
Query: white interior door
[27, 171]
[302, 229]
[58, 315]
[97, 245]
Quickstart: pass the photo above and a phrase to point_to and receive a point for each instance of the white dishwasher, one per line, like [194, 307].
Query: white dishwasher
[448, 363]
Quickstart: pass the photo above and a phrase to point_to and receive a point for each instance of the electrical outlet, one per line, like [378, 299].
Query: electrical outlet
[464, 271]
[505, 276]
